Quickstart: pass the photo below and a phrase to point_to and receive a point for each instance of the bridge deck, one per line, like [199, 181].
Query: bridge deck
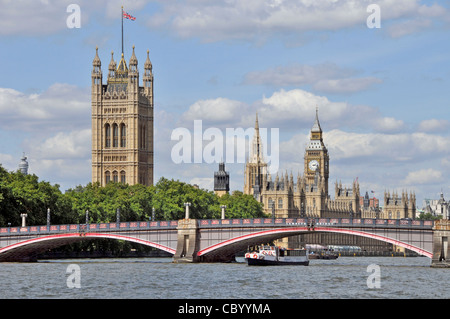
[208, 223]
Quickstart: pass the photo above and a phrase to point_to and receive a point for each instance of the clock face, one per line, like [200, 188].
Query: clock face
[313, 165]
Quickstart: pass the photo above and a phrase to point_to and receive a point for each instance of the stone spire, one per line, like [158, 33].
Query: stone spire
[133, 59]
[112, 66]
[148, 63]
[316, 126]
[257, 150]
[96, 62]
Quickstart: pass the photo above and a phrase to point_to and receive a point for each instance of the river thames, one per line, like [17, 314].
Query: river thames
[159, 278]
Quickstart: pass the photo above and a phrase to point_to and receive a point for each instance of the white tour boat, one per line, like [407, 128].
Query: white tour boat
[267, 255]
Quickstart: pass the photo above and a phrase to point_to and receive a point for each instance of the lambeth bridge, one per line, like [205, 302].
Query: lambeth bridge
[218, 240]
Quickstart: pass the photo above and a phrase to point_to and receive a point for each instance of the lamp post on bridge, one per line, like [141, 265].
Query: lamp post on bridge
[187, 210]
[48, 218]
[118, 215]
[223, 211]
[24, 216]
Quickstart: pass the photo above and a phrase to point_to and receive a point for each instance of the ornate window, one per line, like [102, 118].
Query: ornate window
[122, 177]
[107, 136]
[107, 177]
[142, 135]
[123, 135]
[115, 129]
[115, 177]
[280, 203]
[271, 203]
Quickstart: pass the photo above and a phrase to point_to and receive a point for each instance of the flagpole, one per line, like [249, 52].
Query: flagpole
[122, 30]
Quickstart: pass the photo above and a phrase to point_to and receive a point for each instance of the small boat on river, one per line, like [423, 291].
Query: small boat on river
[269, 255]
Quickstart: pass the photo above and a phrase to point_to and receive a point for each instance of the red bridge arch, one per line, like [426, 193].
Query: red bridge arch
[25, 250]
[239, 243]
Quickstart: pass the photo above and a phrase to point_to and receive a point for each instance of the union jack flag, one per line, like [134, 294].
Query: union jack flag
[126, 15]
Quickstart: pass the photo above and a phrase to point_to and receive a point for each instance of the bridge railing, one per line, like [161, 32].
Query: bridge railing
[94, 227]
[342, 222]
[236, 222]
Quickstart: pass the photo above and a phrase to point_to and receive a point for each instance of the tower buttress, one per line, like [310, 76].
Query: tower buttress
[96, 74]
[148, 77]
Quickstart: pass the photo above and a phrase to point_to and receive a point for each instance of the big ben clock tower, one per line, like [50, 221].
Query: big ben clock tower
[316, 156]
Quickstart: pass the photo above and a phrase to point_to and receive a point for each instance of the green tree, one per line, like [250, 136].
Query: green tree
[240, 205]
[26, 194]
[134, 202]
[429, 216]
[170, 196]
[21, 193]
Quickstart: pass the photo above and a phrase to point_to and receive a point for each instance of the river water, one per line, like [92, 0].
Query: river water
[346, 277]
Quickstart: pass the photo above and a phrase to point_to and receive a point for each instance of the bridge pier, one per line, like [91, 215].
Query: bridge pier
[441, 235]
[188, 241]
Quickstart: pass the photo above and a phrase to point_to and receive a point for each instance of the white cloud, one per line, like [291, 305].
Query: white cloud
[289, 109]
[374, 147]
[300, 106]
[217, 110]
[434, 125]
[326, 77]
[233, 19]
[348, 85]
[54, 131]
[223, 19]
[389, 124]
[60, 106]
[45, 17]
[64, 145]
[423, 176]
[296, 74]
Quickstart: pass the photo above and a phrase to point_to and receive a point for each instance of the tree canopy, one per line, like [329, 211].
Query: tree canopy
[21, 193]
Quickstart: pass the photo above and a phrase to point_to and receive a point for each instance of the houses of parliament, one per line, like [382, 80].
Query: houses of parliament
[122, 151]
[308, 195]
[122, 122]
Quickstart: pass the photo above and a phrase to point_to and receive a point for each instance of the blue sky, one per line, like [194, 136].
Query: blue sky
[382, 93]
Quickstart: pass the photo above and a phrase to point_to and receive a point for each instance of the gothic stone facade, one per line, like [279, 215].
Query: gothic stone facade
[122, 123]
[308, 196]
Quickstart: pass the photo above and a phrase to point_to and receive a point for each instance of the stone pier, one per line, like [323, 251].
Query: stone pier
[441, 235]
[188, 243]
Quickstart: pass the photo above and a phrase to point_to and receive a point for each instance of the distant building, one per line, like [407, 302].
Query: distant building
[221, 181]
[437, 207]
[397, 207]
[370, 207]
[23, 166]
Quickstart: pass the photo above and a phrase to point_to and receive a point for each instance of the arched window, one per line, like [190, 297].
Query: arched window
[142, 136]
[107, 177]
[115, 135]
[122, 177]
[280, 203]
[107, 135]
[123, 135]
[115, 177]
[144, 140]
[270, 203]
